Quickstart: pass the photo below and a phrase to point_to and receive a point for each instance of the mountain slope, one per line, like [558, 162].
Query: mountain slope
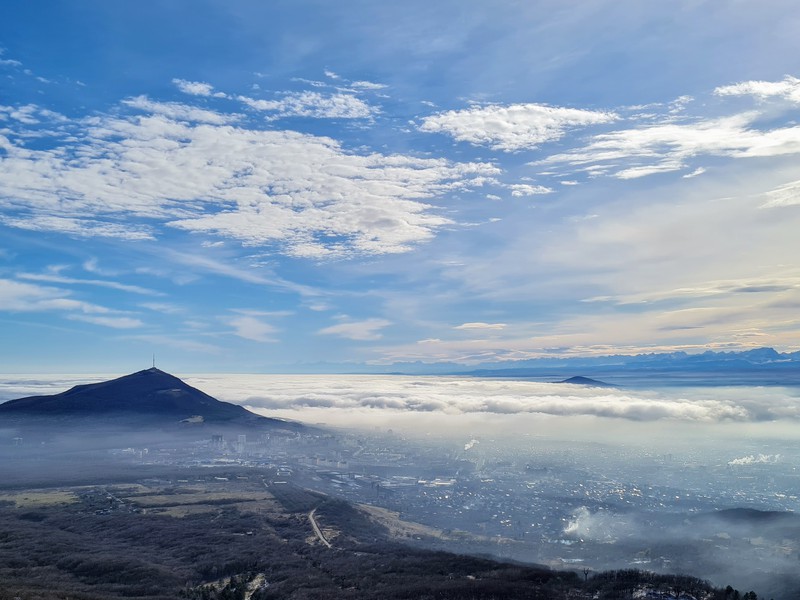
[150, 395]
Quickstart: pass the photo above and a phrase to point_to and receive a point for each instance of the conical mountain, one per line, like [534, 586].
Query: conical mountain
[150, 395]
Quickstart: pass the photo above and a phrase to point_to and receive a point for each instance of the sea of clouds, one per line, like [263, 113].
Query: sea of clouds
[369, 400]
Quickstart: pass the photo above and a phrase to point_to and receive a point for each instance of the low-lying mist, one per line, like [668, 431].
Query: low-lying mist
[566, 474]
[458, 406]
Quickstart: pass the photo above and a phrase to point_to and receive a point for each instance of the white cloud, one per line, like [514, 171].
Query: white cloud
[17, 296]
[787, 89]
[464, 395]
[113, 322]
[78, 227]
[519, 190]
[319, 306]
[679, 104]
[695, 173]
[180, 112]
[92, 265]
[163, 308]
[512, 127]
[194, 88]
[785, 195]
[709, 289]
[367, 330]
[24, 114]
[478, 325]
[48, 278]
[174, 341]
[314, 105]
[668, 146]
[211, 265]
[667, 141]
[251, 328]
[367, 85]
[301, 193]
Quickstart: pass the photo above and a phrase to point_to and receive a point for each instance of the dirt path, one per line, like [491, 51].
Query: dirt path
[317, 530]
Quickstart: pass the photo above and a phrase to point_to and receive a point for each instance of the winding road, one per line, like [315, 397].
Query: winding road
[317, 530]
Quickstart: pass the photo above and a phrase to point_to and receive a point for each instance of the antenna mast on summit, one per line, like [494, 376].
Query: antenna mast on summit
[154, 361]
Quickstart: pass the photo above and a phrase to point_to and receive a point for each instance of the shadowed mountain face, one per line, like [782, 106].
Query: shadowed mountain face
[150, 395]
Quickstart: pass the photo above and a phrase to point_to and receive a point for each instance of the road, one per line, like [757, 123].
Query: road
[317, 530]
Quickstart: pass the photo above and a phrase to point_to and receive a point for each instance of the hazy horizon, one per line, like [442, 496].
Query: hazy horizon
[467, 406]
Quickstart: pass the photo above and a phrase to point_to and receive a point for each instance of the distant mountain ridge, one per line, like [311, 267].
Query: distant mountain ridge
[145, 396]
[761, 366]
[758, 359]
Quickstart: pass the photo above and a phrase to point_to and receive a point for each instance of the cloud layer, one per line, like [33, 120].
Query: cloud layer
[191, 169]
[462, 395]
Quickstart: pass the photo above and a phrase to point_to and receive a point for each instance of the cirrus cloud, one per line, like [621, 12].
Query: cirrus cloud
[252, 328]
[113, 322]
[481, 326]
[366, 330]
[19, 296]
[666, 146]
[785, 195]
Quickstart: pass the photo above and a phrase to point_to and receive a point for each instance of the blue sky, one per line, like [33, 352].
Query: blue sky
[242, 186]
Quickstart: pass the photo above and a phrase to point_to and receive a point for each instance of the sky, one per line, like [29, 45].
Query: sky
[243, 186]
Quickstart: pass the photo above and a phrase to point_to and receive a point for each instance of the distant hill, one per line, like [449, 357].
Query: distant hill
[146, 398]
[580, 380]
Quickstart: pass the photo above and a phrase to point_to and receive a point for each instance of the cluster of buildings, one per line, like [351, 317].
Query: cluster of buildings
[541, 501]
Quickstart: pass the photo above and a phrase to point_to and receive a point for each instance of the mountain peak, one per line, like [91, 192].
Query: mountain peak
[151, 395]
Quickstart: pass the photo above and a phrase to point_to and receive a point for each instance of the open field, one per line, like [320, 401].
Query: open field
[40, 498]
[212, 498]
[398, 527]
[184, 503]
